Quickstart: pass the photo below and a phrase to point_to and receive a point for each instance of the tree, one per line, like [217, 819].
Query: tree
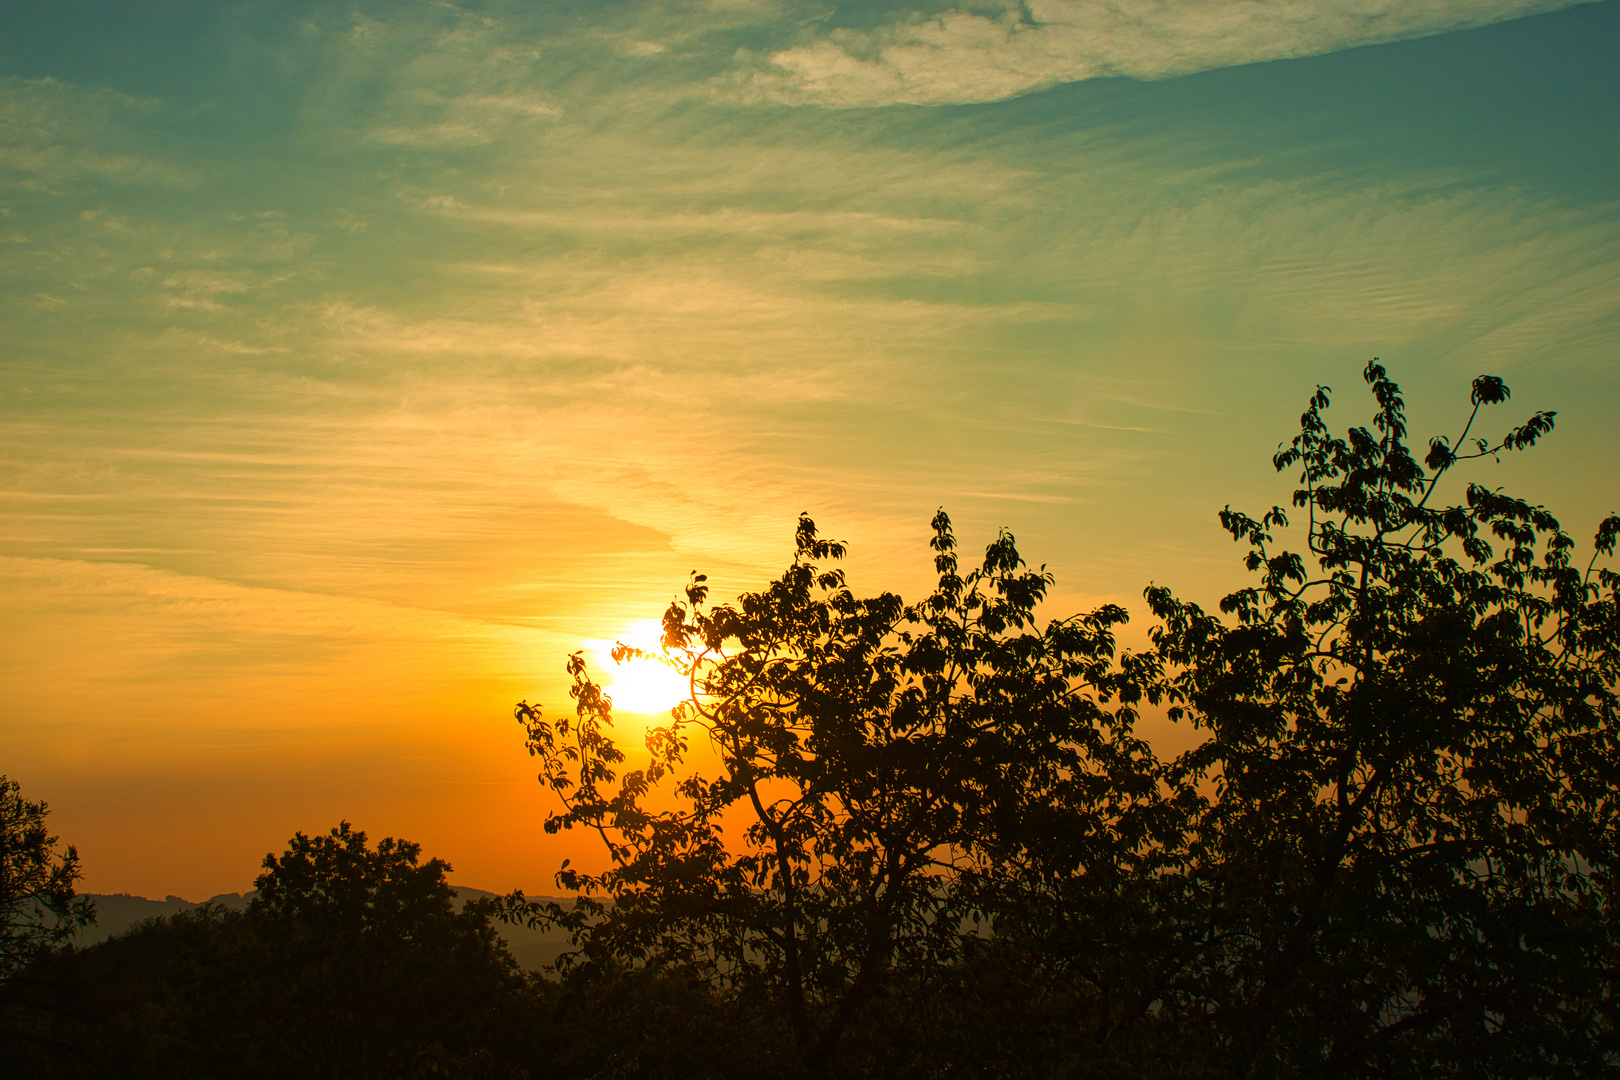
[351, 961]
[1393, 854]
[38, 907]
[873, 748]
[357, 963]
[1405, 855]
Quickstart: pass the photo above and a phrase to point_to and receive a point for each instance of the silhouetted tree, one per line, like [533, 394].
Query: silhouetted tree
[362, 966]
[1403, 861]
[39, 909]
[873, 747]
[351, 961]
[1393, 854]
[39, 914]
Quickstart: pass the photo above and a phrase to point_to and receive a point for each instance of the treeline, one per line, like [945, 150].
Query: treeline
[1391, 853]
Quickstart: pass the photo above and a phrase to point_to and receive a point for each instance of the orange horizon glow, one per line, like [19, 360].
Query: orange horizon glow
[359, 367]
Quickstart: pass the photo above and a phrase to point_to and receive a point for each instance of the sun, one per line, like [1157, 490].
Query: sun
[642, 686]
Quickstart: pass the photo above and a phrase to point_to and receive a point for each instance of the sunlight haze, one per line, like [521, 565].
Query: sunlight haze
[363, 361]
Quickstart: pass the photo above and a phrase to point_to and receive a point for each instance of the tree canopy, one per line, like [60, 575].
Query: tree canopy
[39, 908]
[1408, 846]
[875, 747]
[1392, 851]
[351, 960]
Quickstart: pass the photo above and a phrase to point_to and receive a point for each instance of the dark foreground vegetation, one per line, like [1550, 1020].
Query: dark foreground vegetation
[931, 843]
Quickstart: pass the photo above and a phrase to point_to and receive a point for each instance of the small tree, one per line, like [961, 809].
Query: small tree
[873, 747]
[352, 960]
[38, 907]
[1405, 863]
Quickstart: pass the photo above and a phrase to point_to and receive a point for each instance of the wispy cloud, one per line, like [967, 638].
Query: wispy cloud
[54, 134]
[959, 55]
[475, 331]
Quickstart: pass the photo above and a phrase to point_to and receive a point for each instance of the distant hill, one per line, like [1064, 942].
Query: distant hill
[117, 913]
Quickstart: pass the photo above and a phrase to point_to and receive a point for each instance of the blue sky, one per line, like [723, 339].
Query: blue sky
[361, 361]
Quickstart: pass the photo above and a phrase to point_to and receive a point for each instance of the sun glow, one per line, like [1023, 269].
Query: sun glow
[644, 685]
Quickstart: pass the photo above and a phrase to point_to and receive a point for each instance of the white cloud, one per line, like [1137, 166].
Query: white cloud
[53, 134]
[431, 135]
[477, 118]
[521, 104]
[959, 57]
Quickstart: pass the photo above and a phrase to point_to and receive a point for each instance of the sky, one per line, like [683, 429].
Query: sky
[361, 361]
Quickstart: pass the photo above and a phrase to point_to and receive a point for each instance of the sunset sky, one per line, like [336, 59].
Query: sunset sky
[358, 362]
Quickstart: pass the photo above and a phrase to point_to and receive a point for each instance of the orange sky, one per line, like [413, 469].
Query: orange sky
[361, 362]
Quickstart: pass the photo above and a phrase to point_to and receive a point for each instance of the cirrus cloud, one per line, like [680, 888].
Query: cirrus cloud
[958, 57]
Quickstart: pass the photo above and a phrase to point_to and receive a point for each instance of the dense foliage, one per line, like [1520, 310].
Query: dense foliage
[38, 906]
[873, 746]
[1393, 853]
[1406, 857]
[925, 839]
[350, 961]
